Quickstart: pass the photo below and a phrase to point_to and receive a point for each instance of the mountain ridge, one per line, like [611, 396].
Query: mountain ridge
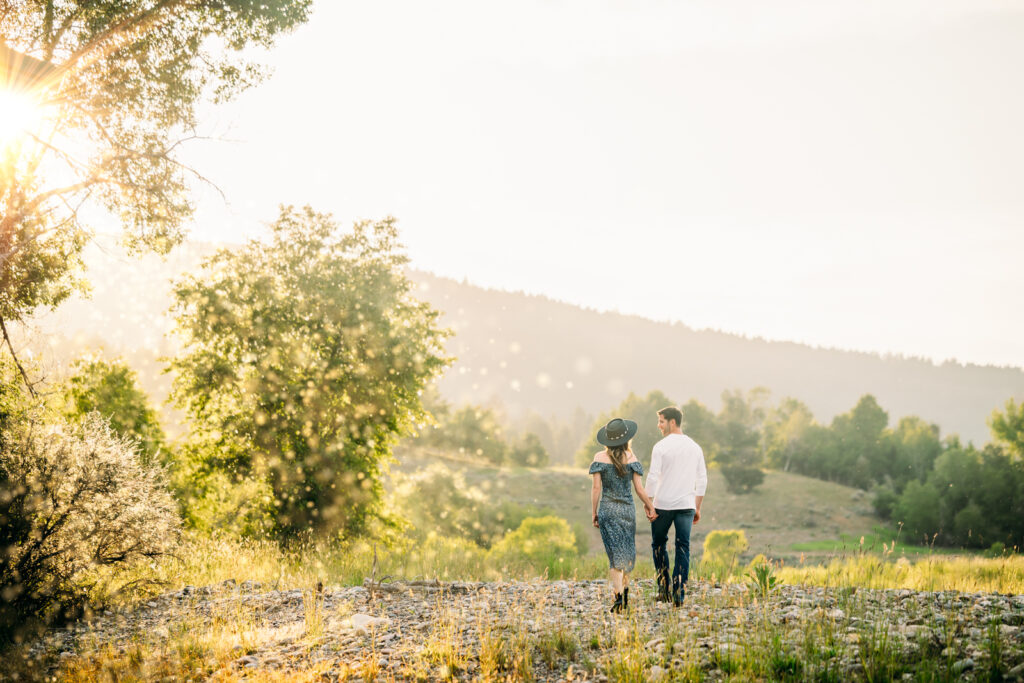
[534, 354]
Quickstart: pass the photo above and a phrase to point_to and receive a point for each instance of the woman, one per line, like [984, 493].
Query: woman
[613, 470]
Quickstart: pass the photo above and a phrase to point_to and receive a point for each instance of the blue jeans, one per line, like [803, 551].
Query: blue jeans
[683, 522]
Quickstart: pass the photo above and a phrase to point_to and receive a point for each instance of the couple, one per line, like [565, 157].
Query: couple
[674, 492]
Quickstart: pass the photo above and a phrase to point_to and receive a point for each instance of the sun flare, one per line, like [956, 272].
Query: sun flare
[18, 114]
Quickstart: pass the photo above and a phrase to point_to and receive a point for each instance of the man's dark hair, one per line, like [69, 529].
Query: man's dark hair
[672, 413]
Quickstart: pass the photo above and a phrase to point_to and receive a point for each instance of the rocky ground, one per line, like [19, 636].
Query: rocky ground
[555, 630]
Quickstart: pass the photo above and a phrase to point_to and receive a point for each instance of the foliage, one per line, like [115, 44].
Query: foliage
[722, 549]
[454, 508]
[474, 431]
[73, 498]
[784, 427]
[741, 479]
[539, 541]
[762, 579]
[111, 389]
[477, 432]
[642, 410]
[1008, 428]
[117, 86]
[528, 451]
[302, 361]
[918, 510]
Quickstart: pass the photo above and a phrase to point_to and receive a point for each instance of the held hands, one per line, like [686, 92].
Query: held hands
[651, 514]
[696, 515]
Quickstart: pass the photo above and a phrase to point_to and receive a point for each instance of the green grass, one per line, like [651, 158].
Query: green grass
[880, 541]
[931, 573]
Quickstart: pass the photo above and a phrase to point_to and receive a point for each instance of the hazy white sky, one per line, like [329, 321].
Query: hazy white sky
[843, 174]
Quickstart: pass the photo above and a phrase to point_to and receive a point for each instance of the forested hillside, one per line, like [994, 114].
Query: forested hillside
[532, 354]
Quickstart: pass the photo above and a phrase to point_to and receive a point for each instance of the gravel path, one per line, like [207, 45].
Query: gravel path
[560, 630]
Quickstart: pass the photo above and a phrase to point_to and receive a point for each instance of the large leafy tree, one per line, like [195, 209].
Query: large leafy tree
[108, 90]
[303, 358]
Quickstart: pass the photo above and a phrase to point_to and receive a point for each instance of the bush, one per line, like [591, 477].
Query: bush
[73, 499]
[722, 551]
[538, 542]
[742, 479]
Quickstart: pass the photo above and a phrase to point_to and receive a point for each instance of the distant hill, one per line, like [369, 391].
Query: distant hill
[533, 354]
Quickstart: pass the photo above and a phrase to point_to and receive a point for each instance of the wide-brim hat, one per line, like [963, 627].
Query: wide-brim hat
[617, 432]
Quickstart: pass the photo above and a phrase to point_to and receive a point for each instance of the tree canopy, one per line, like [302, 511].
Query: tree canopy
[303, 358]
[108, 92]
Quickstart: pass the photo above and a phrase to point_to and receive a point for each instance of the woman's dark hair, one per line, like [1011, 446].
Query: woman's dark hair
[617, 454]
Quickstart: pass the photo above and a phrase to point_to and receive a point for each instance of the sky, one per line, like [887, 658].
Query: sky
[845, 174]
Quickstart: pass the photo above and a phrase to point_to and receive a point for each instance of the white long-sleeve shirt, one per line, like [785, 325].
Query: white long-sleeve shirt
[678, 473]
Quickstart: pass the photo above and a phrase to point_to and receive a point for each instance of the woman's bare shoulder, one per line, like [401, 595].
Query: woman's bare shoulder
[630, 457]
[602, 457]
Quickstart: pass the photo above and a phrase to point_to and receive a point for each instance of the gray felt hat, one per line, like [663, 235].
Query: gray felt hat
[617, 432]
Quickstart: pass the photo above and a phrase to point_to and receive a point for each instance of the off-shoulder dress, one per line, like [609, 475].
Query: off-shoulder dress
[616, 515]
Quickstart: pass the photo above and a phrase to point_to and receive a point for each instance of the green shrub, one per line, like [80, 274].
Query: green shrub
[722, 549]
[73, 498]
[741, 478]
[538, 542]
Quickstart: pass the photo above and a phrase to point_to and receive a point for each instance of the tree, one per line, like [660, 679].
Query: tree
[110, 388]
[739, 436]
[863, 457]
[1008, 427]
[109, 92]
[699, 424]
[784, 427]
[302, 360]
[643, 411]
[528, 451]
[918, 511]
[915, 446]
[474, 431]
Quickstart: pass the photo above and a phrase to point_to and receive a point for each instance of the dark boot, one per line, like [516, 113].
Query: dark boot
[677, 599]
[617, 605]
[663, 594]
[625, 598]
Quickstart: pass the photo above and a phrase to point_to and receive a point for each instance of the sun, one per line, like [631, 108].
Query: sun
[19, 114]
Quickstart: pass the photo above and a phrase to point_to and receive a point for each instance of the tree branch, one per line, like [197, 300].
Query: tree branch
[10, 347]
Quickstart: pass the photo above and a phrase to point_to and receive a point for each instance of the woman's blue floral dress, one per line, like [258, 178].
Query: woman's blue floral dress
[616, 516]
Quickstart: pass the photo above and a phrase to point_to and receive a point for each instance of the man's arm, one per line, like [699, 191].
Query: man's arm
[654, 474]
[702, 484]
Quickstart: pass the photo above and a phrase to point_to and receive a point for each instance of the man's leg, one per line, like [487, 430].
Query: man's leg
[659, 537]
[683, 520]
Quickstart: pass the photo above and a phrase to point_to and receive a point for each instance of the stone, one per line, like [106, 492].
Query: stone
[248, 662]
[365, 623]
[962, 666]
[656, 673]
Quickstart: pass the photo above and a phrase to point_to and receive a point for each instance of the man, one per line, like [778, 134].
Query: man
[676, 483]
